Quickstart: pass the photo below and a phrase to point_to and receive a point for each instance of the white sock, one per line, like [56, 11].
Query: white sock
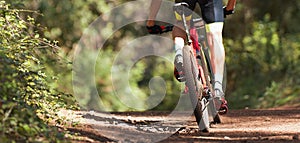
[219, 82]
[179, 43]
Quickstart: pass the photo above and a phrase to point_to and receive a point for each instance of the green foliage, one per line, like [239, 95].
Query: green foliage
[267, 59]
[262, 44]
[26, 97]
[112, 86]
[279, 94]
[66, 19]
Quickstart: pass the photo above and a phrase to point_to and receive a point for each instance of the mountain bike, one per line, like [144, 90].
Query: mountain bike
[197, 71]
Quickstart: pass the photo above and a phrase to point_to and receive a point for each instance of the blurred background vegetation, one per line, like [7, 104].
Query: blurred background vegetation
[39, 37]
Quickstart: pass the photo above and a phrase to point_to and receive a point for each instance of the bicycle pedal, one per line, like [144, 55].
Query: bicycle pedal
[207, 94]
[222, 112]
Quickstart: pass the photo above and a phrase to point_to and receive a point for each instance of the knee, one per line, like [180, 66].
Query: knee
[178, 32]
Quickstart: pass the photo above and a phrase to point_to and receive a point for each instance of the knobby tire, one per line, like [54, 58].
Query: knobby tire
[195, 88]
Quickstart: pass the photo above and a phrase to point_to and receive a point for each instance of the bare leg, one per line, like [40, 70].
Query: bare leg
[179, 37]
[217, 50]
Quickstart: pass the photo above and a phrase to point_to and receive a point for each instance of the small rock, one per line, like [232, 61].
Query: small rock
[227, 138]
[296, 137]
[267, 119]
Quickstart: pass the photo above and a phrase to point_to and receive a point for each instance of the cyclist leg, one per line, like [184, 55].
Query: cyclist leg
[179, 41]
[217, 53]
[179, 37]
[212, 12]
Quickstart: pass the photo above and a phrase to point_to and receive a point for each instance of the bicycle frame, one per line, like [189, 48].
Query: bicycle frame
[194, 40]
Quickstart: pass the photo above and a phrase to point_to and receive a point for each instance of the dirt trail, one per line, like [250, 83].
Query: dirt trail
[273, 125]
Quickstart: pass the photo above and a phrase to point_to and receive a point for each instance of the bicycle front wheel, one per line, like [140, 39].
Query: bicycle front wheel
[195, 88]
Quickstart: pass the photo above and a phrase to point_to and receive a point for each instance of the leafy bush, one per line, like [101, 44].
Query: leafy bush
[26, 97]
[265, 72]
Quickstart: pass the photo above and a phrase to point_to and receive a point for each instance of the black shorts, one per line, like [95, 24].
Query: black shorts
[212, 10]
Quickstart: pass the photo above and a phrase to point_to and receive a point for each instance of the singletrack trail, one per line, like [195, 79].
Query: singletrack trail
[272, 125]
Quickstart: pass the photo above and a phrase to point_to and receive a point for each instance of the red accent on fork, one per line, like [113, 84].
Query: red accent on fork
[194, 37]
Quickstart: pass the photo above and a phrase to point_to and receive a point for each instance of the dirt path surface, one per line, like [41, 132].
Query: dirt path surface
[273, 125]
